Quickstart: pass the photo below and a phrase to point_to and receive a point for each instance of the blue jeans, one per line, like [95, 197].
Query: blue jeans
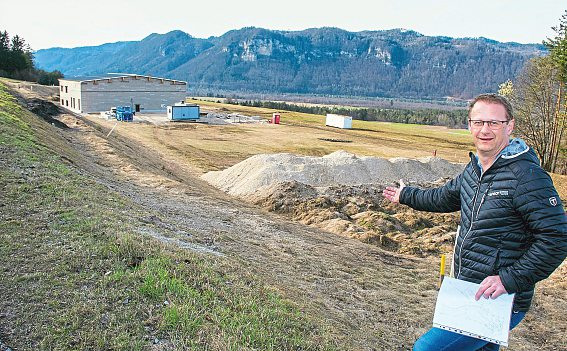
[443, 340]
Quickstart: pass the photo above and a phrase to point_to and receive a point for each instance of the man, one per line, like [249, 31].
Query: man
[513, 230]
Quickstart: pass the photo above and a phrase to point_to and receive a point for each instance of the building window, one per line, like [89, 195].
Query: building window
[61, 88]
[62, 102]
[66, 89]
[79, 103]
[66, 102]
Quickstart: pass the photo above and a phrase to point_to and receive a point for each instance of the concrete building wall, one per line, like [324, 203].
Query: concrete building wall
[149, 93]
[70, 95]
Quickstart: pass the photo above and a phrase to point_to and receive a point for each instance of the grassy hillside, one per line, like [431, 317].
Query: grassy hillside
[77, 275]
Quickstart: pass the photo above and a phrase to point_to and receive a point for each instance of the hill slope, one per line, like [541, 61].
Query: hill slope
[391, 63]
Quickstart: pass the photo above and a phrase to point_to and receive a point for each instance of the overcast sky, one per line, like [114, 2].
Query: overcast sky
[71, 23]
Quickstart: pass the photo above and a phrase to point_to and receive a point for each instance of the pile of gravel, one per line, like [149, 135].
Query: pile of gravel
[338, 168]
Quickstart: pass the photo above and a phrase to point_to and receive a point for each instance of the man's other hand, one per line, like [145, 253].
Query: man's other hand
[393, 194]
[491, 287]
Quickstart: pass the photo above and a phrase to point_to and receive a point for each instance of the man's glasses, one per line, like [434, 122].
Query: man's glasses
[495, 125]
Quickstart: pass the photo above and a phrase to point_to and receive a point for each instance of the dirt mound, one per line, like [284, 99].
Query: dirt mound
[35, 98]
[338, 168]
[342, 193]
[361, 212]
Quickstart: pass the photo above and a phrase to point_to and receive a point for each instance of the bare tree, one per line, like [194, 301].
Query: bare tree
[538, 96]
[539, 108]
[558, 53]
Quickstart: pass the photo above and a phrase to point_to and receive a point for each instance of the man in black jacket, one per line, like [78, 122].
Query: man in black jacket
[513, 230]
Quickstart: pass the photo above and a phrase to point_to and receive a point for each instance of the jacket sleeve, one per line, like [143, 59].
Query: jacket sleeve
[443, 199]
[537, 201]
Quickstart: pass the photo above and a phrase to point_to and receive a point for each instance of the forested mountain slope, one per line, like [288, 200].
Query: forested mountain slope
[390, 63]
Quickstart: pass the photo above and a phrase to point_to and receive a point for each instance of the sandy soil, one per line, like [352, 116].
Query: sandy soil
[372, 298]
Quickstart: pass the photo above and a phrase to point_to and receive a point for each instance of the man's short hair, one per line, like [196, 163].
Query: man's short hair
[494, 99]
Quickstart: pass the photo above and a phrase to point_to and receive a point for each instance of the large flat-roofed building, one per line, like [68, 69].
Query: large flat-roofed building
[142, 93]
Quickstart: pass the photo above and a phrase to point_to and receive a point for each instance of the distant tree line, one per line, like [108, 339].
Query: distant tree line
[16, 61]
[451, 119]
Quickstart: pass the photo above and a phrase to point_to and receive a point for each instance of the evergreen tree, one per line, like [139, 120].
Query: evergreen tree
[16, 61]
[4, 52]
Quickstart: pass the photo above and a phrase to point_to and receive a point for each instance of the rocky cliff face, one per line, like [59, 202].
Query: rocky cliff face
[393, 63]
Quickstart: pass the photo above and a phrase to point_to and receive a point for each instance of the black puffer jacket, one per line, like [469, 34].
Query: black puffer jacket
[512, 222]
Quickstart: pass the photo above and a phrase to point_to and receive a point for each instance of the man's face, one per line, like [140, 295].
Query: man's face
[490, 140]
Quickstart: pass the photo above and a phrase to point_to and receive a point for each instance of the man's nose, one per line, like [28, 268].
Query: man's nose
[485, 128]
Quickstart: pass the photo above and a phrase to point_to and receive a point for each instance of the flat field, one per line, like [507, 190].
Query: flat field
[214, 147]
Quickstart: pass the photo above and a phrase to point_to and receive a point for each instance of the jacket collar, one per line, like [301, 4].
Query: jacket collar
[515, 148]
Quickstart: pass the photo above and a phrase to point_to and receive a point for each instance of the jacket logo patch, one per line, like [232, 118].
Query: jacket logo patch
[498, 193]
[553, 201]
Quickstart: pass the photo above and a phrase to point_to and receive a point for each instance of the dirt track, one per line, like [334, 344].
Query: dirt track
[359, 290]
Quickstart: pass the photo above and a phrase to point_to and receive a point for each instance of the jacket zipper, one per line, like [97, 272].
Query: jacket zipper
[470, 227]
[482, 200]
[472, 218]
[453, 261]
[472, 213]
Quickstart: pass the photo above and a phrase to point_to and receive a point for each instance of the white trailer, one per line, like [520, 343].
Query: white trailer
[338, 121]
[183, 112]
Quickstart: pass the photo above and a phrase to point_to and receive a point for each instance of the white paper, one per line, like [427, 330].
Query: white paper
[456, 310]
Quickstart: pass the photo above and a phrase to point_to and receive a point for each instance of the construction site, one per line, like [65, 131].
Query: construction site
[299, 200]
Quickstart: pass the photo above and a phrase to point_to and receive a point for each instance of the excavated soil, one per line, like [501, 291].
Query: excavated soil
[342, 193]
[338, 168]
[362, 213]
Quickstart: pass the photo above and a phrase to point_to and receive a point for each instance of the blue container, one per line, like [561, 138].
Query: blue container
[124, 113]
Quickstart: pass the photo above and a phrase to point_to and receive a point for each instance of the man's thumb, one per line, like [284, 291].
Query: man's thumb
[402, 184]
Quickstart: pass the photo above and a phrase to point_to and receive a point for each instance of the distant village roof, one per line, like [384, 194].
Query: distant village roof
[116, 76]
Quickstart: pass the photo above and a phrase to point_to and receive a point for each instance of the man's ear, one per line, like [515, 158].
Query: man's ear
[510, 127]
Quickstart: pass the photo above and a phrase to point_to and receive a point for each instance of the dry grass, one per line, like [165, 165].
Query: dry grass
[205, 147]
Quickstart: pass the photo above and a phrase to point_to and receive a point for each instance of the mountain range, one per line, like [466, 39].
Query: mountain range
[328, 61]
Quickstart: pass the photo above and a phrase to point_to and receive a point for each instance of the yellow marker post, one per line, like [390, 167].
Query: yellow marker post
[441, 270]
